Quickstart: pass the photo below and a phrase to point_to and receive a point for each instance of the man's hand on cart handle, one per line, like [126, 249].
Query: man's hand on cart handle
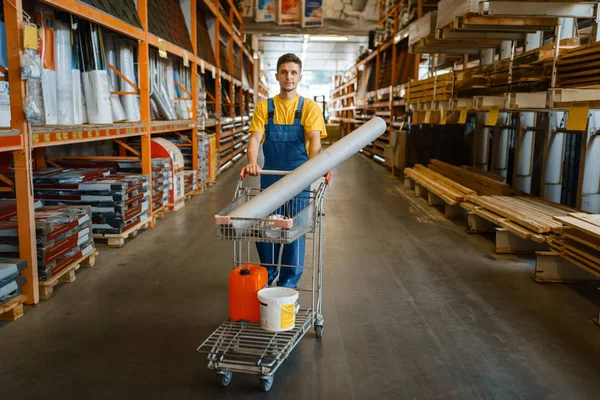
[250, 169]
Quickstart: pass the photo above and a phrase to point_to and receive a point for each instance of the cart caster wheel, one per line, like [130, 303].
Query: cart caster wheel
[224, 378]
[319, 331]
[266, 383]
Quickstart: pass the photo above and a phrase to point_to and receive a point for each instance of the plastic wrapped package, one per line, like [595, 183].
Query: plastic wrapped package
[111, 58]
[31, 66]
[97, 96]
[33, 106]
[127, 68]
[64, 76]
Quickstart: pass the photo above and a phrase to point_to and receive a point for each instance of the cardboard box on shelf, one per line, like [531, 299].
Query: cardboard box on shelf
[266, 11]
[312, 13]
[289, 12]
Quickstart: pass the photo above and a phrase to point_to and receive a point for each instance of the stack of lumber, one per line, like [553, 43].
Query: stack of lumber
[448, 10]
[479, 171]
[422, 28]
[482, 184]
[579, 67]
[581, 240]
[527, 217]
[531, 72]
[451, 192]
[436, 88]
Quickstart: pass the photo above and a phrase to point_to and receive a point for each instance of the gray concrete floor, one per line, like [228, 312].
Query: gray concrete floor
[414, 308]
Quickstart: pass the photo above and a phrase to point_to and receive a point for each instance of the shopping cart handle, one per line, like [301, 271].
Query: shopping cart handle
[276, 172]
[264, 172]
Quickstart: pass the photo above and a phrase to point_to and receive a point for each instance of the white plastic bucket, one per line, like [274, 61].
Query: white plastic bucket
[278, 308]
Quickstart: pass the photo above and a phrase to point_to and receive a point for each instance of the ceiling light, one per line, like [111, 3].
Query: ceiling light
[329, 38]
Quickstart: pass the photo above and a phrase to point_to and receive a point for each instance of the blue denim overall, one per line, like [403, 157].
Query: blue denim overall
[284, 149]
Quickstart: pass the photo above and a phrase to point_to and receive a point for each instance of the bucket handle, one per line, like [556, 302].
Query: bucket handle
[296, 308]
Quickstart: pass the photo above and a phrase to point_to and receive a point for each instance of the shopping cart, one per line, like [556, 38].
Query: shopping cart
[239, 346]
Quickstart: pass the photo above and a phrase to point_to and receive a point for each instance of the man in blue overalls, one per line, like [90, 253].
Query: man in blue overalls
[290, 129]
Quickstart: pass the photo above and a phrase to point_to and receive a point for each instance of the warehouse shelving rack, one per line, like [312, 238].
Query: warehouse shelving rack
[393, 66]
[28, 144]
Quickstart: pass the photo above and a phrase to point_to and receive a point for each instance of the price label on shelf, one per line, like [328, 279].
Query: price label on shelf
[162, 48]
[30, 36]
[463, 115]
[202, 66]
[578, 118]
[186, 60]
[492, 117]
[214, 72]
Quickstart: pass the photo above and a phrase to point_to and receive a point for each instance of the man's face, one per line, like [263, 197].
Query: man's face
[288, 76]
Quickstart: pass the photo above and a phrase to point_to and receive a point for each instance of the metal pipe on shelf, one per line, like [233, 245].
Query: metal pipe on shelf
[554, 157]
[524, 141]
[481, 132]
[590, 185]
[482, 136]
[500, 145]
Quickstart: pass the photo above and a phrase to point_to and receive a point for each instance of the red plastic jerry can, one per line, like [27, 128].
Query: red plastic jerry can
[244, 284]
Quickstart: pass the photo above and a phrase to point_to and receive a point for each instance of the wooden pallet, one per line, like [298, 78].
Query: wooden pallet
[179, 204]
[12, 310]
[66, 275]
[118, 239]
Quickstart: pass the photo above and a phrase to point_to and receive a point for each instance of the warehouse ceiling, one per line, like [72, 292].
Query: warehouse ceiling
[321, 53]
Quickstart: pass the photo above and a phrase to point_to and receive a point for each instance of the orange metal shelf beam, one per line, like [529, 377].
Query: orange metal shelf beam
[101, 18]
[11, 142]
[45, 137]
[171, 126]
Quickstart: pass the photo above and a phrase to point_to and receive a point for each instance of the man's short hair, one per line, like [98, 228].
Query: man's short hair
[289, 57]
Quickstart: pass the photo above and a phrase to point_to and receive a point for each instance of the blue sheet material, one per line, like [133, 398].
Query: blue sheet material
[12, 288]
[10, 280]
[10, 267]
[3, 53]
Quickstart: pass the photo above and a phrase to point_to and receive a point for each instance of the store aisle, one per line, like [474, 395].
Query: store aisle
[414, 308]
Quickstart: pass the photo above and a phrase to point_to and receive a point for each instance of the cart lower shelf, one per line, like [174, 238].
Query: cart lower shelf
[247, 348]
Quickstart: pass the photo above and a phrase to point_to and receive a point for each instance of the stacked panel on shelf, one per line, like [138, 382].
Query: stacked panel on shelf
[63, 236]
[161, 173]
[161, 182]
[119, 201]
[190, 181]
[11, 281]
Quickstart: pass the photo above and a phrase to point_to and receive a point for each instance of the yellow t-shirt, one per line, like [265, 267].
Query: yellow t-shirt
[285, 110]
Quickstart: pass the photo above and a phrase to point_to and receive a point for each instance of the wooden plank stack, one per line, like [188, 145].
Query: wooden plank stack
[437, 88]
[422, 28]
[448, 10]
[525, 216]
[482, 184]
[581, 241]
[531, 72]
[451, 192]
[579, 67]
